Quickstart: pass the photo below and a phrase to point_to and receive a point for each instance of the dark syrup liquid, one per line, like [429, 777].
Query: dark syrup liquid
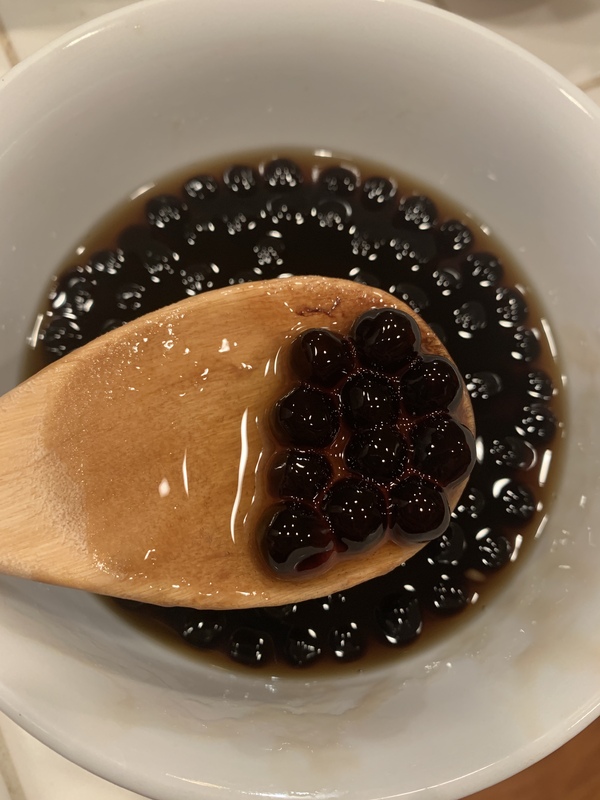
[270, 220]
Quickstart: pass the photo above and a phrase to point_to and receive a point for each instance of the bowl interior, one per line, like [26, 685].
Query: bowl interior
[160, 85]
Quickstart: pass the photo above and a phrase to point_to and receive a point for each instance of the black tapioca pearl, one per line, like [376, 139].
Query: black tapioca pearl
[525, 345]
[365, 277]
[111, 325]
[249, 646]
[366, 246]
[357, 513]
[485, 269]
[347, 642]
[332, 214]
[195, 280]
[241, 179]
[200, 189]
[419, 510]
[131, 297]
[449, 280]
[198, 628]
[448, 593]
[417, 211]
[430, 384]
[322, 357]
[414, 296]
[386, 339]
[511, 306]
[339, 181]
[240, 224]
[105, 264]
[399, 617]
[377, 193]
[444, 449]
[302, 647]
[165, 213]
[539, 385]
[156, 258]
[369, 400]
[269, 250]
[74, 294]
[282, 174]
[538, 424]
[295, 539]
[288, 208]
[483, 385]
[512, 452]
[415, 247]
[516, 502]
[380, 454]
[490, 550]
[470, 317]
[453, 237]
[449, 549]
[470, 505]
[61, 336]
[307, 417]
[285, 613]
[299, 475]
[245, 276]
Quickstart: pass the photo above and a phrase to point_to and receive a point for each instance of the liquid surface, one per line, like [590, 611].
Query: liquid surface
[255, 217]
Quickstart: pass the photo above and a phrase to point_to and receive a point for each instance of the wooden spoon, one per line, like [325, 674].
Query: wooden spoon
[134, 467]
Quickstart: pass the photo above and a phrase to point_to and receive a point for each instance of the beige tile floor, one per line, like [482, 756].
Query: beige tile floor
[565, 34]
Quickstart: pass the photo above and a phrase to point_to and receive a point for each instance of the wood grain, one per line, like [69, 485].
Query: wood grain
[571, 773]
[135, 466]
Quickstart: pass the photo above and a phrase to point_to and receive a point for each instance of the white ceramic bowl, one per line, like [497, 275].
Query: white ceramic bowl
[160, 85]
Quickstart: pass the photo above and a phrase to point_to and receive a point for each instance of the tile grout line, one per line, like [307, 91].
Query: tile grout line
[7, 45]
[10, 775]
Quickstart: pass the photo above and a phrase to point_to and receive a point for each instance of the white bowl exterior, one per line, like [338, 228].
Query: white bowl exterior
[161, 85]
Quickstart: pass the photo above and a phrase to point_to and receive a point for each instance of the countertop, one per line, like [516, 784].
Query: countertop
[565, 34]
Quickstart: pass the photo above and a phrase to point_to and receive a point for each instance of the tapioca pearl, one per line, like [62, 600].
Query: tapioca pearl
[294, 539]
[292, 209]
[483, 385]
[443, 449]
[470, 317]
[61, 336]
[537, 424]
[449, 280]
[386, 339]
[307, 417]
[511, 306]
[200, 189]
[322, 357]
[525, 345]
[430, 384]
[413, 247]
[157, 259]
[347, 642]
[366, 246]
[165, 213]
[449, 548]
[105, 264]
[380, 454]
[299, 475]
[198, 628]
[332, 214]
[285, 613]
[357, 513]
[377, 193]
[240, 224]
[365, 277]
[539, 385]
[131, 297]
[339, 181]
[369, 400]
[74, 295]
[111, 325]
[448, 593]
[245, 276]
[485, 269]
[194, 280]
[249, 646]
[302, 647]
[470, 505]
[490, 550]
[414, 296]
[282, 174]
[516, 502]
[269, 250]
[453, 237]
[241, 179]
[416, 211]
[512, 452]
[419, 510]
[398, 616]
